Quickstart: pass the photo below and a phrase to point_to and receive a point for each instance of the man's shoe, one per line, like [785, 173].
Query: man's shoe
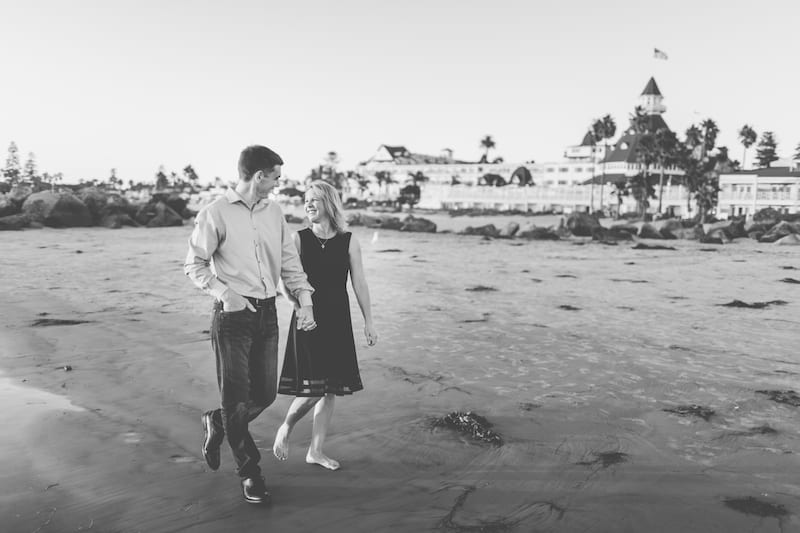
[212, 438]
[254, 490]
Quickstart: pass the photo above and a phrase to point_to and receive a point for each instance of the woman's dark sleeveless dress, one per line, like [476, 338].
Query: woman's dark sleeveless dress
[323, 360]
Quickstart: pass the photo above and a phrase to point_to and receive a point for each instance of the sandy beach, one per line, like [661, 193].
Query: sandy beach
[573, 350]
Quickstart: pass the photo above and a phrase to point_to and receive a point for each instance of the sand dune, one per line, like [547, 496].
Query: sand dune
[572, 352]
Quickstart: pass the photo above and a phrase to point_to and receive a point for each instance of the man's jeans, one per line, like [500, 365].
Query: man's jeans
[246, 347]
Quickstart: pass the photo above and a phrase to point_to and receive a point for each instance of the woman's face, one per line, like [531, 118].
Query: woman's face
[314, 208]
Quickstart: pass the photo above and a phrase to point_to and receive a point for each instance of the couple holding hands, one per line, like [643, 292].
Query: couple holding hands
[242, 252]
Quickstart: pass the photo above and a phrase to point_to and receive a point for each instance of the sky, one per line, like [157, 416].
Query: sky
[90, 85]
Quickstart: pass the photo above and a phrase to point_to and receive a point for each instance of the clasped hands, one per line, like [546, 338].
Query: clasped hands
[305, 318]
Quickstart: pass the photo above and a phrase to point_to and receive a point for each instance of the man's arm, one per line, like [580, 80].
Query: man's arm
[202, 244]
[292, 273]
[294, 277]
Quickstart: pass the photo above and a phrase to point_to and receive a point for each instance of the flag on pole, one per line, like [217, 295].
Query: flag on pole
[659, 54]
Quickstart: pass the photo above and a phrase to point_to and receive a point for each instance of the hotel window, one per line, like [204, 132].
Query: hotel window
[578, 169]
[562, 182]
[563, 169]
[551, 169]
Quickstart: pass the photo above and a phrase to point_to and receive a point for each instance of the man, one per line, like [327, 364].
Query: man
[238, 251]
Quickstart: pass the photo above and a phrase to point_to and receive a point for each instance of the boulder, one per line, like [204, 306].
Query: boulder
[370, 221]
[94, 199]
[692, 233]
[19, 193]
[8, 206]
[176, 202]
[156, 214]
[793, 239]
[354, 219]
[421, 225]
[104, 204]
[535, 233]
[733, 228]
[750, 227]
[755, 235]
[509, 230]
[117, 220]
[668, 227]
[14, 222]
[57, 210]
[767, 216]
[648, 231]
[489, 230]
[582, 225]
[780, 230]
[716, 236]
[387, 222]
[613, 234]
[736, 228]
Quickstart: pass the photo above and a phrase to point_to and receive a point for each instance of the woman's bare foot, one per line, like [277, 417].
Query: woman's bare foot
[322, 460]
[281, 446]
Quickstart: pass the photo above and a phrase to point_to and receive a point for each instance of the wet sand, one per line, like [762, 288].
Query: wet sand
[572, 350]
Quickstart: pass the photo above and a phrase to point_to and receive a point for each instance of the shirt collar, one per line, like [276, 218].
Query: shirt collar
[234, 197]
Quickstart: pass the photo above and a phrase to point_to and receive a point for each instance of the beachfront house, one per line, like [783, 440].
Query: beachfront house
[745, 193]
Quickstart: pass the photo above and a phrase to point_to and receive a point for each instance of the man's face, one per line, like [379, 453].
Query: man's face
[267, 181]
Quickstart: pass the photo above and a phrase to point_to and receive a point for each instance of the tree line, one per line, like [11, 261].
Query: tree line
[15, 173]
[697, 155]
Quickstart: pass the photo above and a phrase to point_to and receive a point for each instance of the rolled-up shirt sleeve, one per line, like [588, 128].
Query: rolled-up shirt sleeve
[292, 273]
[202, 244]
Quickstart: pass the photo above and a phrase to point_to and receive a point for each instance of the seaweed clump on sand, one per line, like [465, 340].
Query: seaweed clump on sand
[643, 246]
[469, 423]
[789, 397]
[480, 288]
[43, 322]
[754, 305]
[692, 410]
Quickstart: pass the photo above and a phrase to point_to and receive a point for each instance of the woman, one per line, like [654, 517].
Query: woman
[321, 364]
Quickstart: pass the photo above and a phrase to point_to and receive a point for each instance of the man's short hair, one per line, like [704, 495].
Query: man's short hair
[255, 158]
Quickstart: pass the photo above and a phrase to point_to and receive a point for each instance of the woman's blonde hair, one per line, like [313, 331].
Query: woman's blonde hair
[331, 202]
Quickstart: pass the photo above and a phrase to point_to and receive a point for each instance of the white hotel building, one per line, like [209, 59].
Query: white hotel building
[561, 185]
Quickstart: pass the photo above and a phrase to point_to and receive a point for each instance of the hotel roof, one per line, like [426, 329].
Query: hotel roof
[772, 172]
[651, 88]
[625, 147]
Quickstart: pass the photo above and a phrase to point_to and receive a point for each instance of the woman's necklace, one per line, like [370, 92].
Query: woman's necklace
[322, 242]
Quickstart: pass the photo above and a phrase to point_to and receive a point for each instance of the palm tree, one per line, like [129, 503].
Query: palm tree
[747, 136]
[710, 132]
[646, 156]
[608, 128]
[689, 161]
[595, 136]
[666, 145]
[700, 179]
[487, 143]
